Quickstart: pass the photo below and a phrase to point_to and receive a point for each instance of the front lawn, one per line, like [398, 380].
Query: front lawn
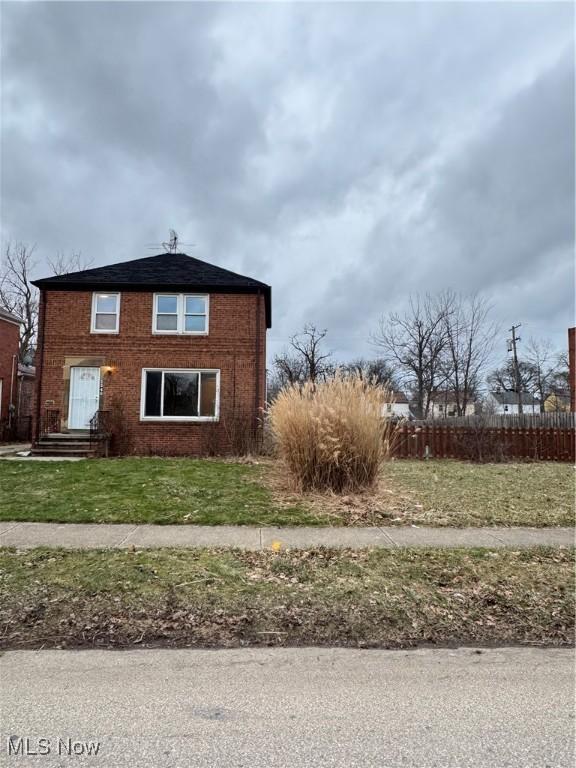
[377, 598]
[459, 493]
[142, 490]
[211, 492]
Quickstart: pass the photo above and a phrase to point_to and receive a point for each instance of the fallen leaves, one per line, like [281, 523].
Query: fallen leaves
[359, 598]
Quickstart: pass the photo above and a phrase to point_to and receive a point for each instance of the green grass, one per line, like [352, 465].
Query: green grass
[458, 493]
[368, 598]
[142, 490]
[210, 492]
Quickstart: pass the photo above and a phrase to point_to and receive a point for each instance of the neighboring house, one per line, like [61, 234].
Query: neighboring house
[9, 346]
[398, 407]
[506, 403]
[443, 405]
[559, 402]
[25, 393]
[171, 348]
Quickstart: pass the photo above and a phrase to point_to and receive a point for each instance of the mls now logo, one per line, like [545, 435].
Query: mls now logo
[24, 746]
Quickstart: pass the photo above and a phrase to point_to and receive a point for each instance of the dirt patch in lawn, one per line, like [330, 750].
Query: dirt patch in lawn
[441, 493]
[385, 504]
[217, 598]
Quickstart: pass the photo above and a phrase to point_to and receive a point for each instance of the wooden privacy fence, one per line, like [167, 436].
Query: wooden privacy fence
[415, 441]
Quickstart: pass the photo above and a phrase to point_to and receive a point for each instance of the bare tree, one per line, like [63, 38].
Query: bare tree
[504, 378]
[414, 344]
[547, 366]
[470, 339]
[18, 295]
[543, 371]
[306, 360]
[308, 346]
[287, 369]
[561, 378]
[63, 264]
[378, 371]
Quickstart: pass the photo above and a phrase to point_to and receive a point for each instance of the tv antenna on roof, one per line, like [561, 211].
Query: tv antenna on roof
[172, 245]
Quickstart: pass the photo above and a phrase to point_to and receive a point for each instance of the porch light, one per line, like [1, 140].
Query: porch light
[108, 369]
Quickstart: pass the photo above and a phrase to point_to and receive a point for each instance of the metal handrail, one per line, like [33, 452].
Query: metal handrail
[50, 421]
[100, 429]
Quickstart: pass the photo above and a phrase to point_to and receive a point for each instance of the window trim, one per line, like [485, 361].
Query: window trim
[143, 417]
[95, 295]
[180, 313]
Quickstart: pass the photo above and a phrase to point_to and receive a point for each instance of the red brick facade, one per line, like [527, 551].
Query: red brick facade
[235, 345]
[9, 340]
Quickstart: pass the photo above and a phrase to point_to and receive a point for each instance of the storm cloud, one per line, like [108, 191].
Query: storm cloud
[348, 154]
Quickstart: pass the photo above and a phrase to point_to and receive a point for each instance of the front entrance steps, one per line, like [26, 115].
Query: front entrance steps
[66, 444]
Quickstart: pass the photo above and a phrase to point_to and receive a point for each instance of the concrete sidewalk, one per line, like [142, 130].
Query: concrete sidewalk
[88, 536]
[9, 449]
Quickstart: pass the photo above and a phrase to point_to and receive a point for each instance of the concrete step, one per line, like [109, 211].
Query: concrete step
[42, 443]
[67, 444]
[66, 436]
[64, 452]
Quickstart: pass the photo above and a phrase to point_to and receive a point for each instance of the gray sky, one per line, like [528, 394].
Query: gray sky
[347, 154]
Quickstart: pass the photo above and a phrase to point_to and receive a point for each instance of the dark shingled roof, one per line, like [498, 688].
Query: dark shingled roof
[173, 271]
[511, 398]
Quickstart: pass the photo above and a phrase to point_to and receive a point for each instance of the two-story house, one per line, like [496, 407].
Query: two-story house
[444, 405]
[172, 349]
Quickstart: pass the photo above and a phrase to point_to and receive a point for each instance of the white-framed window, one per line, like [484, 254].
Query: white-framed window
[180, 394]
[180, 313]
[105, 313]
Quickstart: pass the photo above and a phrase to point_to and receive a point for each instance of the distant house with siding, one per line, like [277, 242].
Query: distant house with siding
[444, 405]
[558, 402]
[398, 407]
[506, 403]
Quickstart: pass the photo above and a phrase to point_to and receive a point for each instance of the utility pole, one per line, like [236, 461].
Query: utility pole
[512, 348]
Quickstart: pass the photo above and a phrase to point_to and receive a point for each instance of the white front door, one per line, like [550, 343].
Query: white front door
[84, 396]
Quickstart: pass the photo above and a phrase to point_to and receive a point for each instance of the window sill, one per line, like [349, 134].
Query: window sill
[179, 333]
[104, 333]
[179, 419]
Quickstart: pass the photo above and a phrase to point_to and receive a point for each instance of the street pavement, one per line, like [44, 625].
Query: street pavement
[288, 708]
[114, 536]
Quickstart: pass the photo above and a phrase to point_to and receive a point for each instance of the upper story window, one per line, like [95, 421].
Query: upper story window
[180, 313]
[105, 312]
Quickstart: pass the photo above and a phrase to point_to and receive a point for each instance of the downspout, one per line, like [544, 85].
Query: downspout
[19, 406]
[40, 361]
[11, 407]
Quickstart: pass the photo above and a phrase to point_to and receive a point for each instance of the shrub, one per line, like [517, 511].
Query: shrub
[332, 435]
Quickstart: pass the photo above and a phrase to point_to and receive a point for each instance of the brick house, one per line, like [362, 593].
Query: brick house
[168, 350]
[9, 345]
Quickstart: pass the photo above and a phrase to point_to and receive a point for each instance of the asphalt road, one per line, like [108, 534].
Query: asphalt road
[269, 708]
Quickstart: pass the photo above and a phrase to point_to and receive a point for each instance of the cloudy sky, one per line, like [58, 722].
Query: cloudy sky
[348, 154]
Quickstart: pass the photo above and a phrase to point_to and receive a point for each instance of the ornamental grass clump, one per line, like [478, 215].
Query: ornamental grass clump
[331, 434]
